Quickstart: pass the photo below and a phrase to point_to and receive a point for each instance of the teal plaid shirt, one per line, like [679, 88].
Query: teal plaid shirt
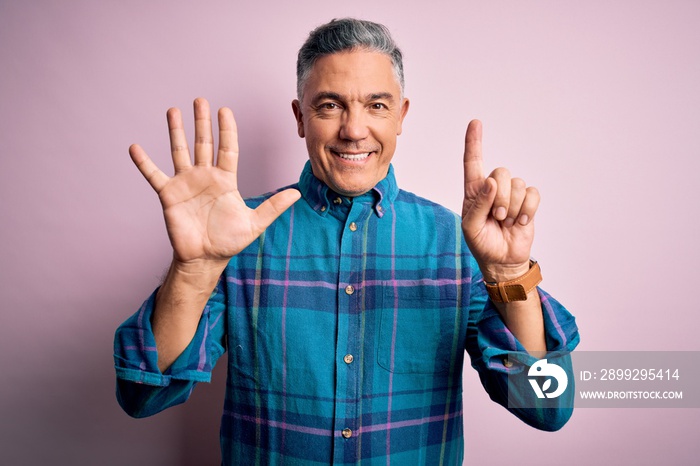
[346, 324]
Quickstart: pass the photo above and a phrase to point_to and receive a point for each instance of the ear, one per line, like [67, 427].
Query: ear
[402, 114]
[296, 108]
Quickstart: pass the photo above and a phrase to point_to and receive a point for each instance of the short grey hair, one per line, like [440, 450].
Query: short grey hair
[342, 35]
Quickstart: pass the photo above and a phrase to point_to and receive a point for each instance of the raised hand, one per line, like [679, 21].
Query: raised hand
[205, 215]
[497, 214]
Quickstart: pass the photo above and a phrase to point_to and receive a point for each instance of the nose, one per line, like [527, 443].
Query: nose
[354, 126]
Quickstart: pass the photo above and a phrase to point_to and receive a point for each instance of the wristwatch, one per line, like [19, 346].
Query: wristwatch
[516, 289]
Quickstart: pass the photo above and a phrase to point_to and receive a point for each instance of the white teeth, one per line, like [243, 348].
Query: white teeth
[354, 157]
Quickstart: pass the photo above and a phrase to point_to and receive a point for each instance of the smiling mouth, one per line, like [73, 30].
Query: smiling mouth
[353, 157]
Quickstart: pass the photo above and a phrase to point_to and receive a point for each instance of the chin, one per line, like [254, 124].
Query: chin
[352, 189]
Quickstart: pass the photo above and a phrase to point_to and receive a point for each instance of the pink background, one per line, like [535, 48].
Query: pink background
[596, 103]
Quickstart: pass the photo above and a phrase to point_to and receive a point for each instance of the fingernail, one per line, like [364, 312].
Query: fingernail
[508, 222]
[486, 188]
[523, 219]
[500, 213]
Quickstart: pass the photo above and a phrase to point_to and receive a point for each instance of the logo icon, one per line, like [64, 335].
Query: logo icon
[549, 370]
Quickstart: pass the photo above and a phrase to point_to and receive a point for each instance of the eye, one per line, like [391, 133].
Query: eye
[378, 106]
[329, 106]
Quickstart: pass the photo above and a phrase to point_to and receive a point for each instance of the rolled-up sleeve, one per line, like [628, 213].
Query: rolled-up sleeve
[142, 389]
[497, 354]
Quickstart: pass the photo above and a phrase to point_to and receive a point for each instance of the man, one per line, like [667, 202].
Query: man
[345, 303]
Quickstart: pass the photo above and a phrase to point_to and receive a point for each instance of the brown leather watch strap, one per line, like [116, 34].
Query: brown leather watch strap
[516, 289]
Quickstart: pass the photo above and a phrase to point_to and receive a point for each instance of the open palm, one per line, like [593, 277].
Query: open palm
[205, 215]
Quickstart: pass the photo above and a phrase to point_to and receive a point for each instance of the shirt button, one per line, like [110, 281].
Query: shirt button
[507, 362]
[353, 226]
[349, 289]
[347, 433]
[348, 358]
[323, 208]
[380, 208]
[337, 200]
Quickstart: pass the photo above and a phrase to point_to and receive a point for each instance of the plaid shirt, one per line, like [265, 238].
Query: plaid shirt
[346, 324]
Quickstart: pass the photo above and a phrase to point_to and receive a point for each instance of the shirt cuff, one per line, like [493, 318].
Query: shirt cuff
[136, 356]
[501, 350]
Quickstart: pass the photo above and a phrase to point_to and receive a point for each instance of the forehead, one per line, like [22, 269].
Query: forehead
[353, 72]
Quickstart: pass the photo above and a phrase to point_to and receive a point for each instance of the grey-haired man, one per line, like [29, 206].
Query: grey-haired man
[345, 303]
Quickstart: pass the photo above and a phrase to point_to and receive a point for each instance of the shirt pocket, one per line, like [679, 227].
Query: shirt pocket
[416, 330]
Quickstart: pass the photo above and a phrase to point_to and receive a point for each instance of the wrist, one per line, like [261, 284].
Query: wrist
[520, 288]
[503, 272]
[198, 277]
[199, 267]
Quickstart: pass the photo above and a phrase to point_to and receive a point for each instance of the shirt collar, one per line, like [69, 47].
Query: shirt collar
[319, 196]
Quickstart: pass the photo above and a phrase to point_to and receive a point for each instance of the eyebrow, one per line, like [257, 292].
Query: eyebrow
[325, 95]
[381, 95]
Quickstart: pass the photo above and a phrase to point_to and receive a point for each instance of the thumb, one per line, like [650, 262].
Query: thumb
[268, 211]
[478, 212]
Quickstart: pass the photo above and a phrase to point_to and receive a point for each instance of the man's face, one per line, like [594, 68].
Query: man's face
[350, 115]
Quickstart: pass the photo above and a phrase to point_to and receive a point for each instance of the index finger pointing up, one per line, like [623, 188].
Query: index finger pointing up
[473, 161]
